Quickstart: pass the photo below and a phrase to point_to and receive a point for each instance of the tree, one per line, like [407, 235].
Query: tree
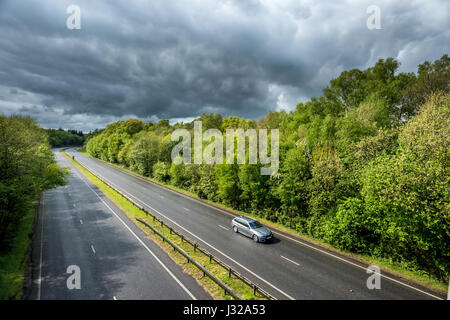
[61, 138]
[346, 90]
[293, 187]
[27, 167]
[207, 186]
[177, 175]
[326, 172]
[227, 181]
[253, 188]
[144, 154]
[161, 172]
[408, 193]
[432, 77]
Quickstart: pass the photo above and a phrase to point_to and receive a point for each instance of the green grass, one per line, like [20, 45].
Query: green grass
[397, 269]
[133, 212]
[13, 263]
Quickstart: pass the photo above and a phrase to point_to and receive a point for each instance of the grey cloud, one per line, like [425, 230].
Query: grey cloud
[176, 59]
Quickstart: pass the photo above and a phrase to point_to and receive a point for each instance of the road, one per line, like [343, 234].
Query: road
[288, 268]
[79, 226]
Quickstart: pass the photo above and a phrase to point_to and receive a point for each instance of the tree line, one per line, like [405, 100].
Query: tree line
[27, 167]
[364, 166]
[62, 138]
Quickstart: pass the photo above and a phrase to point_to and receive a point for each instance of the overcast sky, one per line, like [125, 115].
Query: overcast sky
[176, 59]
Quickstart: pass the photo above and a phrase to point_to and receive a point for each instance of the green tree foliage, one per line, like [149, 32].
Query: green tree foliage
[228, 186]
[161, 171]
[352, 228]
[207, 185]
[432, 77]
[27, 167]
[61, 138]
[324, 187]
[108, 144]
[364, 166]
[178, 175]
[408, 193]
[292, 190]
[143, 154]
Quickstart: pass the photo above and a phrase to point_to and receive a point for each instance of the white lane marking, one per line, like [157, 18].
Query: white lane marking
[358, 266]
[290, 260]
[81, 221]
[223, 227]
[280, 234]
[39, 281]
[162, 197]
[287, 237]
[144, 245]
[93, 249]
[211, 246]
[186, 209]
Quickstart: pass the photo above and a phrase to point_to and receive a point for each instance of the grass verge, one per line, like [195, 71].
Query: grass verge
[13, 263]
[133, 212]
[397, 269]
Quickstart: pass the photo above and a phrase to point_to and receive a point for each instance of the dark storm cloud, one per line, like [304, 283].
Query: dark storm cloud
[176, 59]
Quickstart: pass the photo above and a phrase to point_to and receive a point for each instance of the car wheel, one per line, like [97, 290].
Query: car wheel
[255, 238]
[235, 229]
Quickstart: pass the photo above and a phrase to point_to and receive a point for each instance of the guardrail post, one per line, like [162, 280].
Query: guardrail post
[254, 290]
[182, 238]
[170, 230]
[210, 258]
[229, 273]
[195, 246]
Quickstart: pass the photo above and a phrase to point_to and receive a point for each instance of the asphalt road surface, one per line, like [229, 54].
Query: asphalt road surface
[288, 268]
[78, 226]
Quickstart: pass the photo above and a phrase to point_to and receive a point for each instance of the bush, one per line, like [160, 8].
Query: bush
[351, 228]
[161, 172]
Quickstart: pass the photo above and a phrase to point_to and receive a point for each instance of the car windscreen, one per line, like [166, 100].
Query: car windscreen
[255, 225]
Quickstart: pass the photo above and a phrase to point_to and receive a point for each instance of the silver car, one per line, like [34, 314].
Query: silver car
[251, 228]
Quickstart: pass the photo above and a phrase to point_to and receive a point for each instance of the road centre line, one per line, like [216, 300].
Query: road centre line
[225, 255]
[290, 260]
[143, 244]
[360, 267]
